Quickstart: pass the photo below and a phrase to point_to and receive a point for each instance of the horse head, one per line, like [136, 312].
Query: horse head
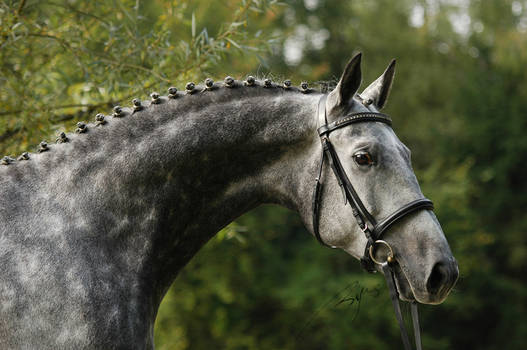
[369, 189]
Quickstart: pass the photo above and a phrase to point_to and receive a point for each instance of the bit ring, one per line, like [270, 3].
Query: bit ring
[389, 259]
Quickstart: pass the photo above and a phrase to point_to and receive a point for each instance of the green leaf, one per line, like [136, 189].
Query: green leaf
[234, 43]
[193, 25]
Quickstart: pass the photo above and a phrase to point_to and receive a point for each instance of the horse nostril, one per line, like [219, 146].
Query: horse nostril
[438, 277]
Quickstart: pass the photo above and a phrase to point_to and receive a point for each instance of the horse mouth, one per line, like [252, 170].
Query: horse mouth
[404, 288]
[409, 292]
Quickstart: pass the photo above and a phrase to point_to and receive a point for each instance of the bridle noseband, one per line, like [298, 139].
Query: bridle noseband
[372, 229]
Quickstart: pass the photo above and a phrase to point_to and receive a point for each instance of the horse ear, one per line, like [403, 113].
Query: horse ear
[379, 90]
[348, 84]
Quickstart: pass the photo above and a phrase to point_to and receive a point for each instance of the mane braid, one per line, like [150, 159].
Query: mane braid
[217, 91]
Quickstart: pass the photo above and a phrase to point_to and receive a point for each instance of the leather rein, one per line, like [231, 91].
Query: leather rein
[372, 229]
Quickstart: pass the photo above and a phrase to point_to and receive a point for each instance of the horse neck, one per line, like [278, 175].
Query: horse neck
[166, 179]
[236, 154]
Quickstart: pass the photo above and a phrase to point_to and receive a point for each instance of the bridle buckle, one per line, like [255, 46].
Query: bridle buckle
[365, 228]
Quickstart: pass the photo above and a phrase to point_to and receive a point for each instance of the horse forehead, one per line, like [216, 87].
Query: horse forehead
[378, 132]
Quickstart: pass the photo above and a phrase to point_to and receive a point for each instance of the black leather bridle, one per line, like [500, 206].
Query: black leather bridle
[373, 229]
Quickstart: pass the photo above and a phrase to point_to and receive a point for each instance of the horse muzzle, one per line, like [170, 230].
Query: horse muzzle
[438, 284]
[441, 280]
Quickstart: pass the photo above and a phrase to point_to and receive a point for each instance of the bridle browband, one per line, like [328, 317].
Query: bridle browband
[372, 229]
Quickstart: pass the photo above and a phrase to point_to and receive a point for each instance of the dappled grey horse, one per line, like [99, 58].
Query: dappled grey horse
[95, 227]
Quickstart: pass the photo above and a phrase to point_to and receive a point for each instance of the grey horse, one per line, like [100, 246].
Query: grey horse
[94, 228]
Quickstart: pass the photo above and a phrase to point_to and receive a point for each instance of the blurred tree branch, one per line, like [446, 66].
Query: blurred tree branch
[91, 55]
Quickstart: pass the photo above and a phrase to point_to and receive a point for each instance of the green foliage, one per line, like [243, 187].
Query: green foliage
[64, 60]
[262, 283]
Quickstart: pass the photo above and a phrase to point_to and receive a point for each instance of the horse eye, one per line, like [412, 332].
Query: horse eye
[363, 158]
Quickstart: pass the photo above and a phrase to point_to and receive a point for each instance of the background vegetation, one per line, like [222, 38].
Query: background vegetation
[458, 102]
